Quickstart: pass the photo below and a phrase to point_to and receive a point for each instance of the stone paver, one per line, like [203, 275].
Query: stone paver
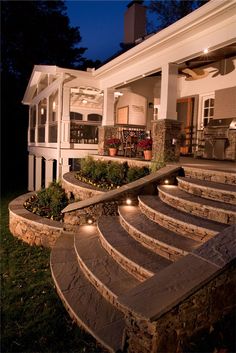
[103, 270]
[222, 249]
[177, 220]
[84, 303]
[214, 210]
[208, 189]
[140, 223]
[121, 244]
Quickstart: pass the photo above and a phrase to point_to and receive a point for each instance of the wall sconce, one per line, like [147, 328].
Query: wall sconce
[89, 220]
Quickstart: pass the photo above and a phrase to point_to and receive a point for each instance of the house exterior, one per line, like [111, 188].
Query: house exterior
[178, 86]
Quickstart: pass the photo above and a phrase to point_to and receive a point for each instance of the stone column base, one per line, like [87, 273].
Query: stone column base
[166, 140]
[104, 133]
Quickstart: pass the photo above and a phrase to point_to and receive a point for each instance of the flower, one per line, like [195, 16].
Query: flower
[113, 142]
[145, 144]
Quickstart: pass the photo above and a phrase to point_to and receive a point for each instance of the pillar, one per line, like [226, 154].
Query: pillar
[65, 167]
[48, 172]
[108, 107]
[65, 133]
[168, 92]
[38, 174]
[30, 172]
[166, 129]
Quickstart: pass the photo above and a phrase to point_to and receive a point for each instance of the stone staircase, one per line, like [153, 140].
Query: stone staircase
[93, 268]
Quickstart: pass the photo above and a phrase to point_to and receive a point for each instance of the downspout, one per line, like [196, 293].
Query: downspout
[60, 96]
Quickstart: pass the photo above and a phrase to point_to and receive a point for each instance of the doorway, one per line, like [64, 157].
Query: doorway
[185, 112]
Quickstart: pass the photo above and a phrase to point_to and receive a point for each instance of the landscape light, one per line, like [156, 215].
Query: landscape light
[128, 201]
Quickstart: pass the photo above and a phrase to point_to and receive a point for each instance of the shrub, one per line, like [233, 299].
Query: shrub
[48, 202]
[100, 172]
[135, 173]
[115, 173]
[87, 167]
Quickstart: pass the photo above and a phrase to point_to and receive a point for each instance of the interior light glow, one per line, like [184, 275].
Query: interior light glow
[128, 201]
[206, 50]
[42, 111]
[54, 105]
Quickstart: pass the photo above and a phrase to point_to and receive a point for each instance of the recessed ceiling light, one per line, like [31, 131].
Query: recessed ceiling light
[128, 201]
[206, 50]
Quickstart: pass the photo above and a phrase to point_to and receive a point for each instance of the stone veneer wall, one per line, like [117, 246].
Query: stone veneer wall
[164, 133]
[187, 298]
[104, 133]
[230, 150]
[30, 228]
[76, 189]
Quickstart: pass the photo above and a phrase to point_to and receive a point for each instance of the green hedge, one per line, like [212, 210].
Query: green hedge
[108, 175]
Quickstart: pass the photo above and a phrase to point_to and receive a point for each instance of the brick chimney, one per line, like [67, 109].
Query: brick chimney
[135, 22]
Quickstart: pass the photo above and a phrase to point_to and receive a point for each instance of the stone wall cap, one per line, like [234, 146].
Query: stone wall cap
[159, 294]
[128, 188]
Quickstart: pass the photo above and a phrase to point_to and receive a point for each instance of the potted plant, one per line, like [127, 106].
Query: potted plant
[113, 144]
[146, 146]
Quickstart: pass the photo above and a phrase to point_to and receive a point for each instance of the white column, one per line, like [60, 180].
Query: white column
[47, 122]
[168, 92]
[38, 174]
[48, 172]
[30, 172]
[65, 168]
[37, 123]
[65, 133]
[59, 126]
[108, 107]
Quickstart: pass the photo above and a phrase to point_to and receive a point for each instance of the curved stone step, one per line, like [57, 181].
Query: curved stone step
[216, 175]
[136, 259]
[205, 208]
[83, 302]
[150, 234]
[177, 221]
[110, 279]
[208, 189]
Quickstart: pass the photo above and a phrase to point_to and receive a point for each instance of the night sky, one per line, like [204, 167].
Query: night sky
[101, 25]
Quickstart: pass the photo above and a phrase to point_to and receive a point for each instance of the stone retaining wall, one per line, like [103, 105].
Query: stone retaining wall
[30, 228]
[78, 190]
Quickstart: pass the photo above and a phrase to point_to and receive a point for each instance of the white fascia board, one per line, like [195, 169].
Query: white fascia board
[212, 12]
[84, 79]
[38, 70]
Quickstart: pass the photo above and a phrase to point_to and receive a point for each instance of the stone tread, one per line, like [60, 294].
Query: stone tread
[95, 314]
[100, 263]
[121, 241]
[142, 223]
[157, 205]
[175, 192]
[210, 184]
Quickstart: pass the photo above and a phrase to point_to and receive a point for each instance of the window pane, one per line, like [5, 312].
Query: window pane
[205, 122]
[94, 117]
[212, 102]
[211, 111]
[206, 112]
[207, 103]
[76, 116]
